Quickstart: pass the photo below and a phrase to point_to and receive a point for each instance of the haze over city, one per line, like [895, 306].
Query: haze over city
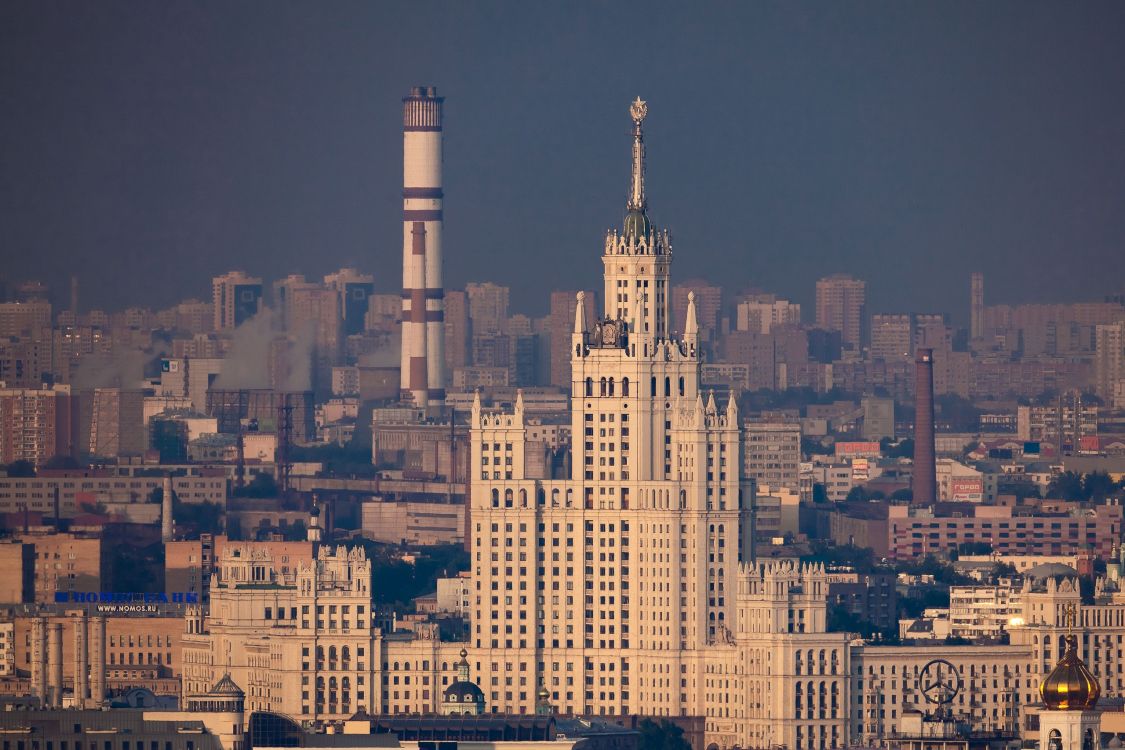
[899, 143]
[736, 376]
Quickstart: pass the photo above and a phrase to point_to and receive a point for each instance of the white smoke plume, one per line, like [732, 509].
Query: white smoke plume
[247, 363]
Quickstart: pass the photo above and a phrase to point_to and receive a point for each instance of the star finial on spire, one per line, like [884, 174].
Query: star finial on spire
[639, 110]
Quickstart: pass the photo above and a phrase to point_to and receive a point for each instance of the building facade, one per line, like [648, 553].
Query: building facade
[841, 304]
[614, 586]
[302, 640]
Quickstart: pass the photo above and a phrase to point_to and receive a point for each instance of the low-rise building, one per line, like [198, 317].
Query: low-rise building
[405, 522]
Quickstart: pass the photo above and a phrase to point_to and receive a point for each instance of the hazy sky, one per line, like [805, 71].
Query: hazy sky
[147, 146]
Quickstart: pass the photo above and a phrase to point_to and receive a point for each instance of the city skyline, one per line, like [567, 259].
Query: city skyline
[278, 157]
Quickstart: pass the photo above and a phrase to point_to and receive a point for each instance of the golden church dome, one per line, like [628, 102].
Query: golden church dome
[1070, 686]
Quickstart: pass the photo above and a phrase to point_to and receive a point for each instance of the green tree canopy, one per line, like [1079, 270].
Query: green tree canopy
[662, 736]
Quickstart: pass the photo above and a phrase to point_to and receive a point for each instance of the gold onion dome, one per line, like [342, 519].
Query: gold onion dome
[1070, 686]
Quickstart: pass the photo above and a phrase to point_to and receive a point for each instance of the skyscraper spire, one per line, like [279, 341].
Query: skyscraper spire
[638, 110]
[580, 314]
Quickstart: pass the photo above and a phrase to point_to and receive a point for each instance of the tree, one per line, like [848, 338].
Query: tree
[974, 548]
[860, 559]
[819, 494]
[662, 736]
[862, 495]
[62, 462]
[261, 486]
[1097, 486]
[811, 447]
[200, 518]
[1003, 570]
[1067, 486]
[959, 413]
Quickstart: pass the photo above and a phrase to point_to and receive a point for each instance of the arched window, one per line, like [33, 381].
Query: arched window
[667, 386]
[507, 498]
[569, 498]
[625, 386]
[496, 498]
[602, 391]
[653, 385]
[589, 386]
[555, 498]
[611, 386]
[681, 385]
[540, 497]
[523, 498]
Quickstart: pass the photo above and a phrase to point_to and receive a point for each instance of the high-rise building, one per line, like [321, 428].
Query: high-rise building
[924, 485]
[772, 452]
[976, 306]
[891, 338]
[423, 305]
[35, 424]
[354, 291]
[759, 313]
[488, 308]
[31, 319]
[312, 314]
[612, 586]
[236, 298]
[841, 305]
[1109, 361]
[458, 330]
[708, 305]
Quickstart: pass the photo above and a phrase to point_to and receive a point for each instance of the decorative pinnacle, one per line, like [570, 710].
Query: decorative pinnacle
[638, 110]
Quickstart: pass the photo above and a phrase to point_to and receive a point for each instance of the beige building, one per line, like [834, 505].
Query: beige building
[17, 560]
[841, 303]
[759, 313]
[35, 424]
[304, 642]
[772, 452]
[30, 319]
[406, 522]
[1109, 362]
[67, 563]
[97, 649]
[615, 586]
[79, 487]
[235, 298]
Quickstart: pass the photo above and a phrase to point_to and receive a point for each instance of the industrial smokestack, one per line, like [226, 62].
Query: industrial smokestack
[54, 665]
[39, 659]
[166, 511]
[97, 661]
[422, 377]
[81, 661]
[925, 471]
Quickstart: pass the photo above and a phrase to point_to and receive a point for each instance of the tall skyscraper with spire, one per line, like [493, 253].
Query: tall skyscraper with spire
[612, 586]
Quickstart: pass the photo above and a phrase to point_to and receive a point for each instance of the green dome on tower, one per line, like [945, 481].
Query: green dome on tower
[637, 223]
